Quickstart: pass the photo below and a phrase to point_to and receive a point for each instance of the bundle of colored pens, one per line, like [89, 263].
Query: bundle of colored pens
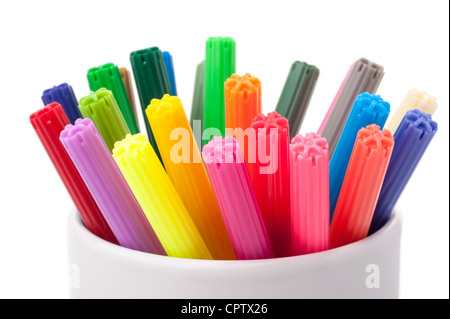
[257, 189]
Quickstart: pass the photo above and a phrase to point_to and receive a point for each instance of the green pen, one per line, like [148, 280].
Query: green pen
[108, 76]
[220, 64]
[152, 82]
[101, 107]
[296, 94]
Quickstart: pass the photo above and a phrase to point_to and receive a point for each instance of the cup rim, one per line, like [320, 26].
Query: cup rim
[109, 250]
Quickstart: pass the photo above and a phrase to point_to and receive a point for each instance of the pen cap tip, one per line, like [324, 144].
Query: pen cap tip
[221, 150]
[311, 145]
[374, 139]
[272, 121]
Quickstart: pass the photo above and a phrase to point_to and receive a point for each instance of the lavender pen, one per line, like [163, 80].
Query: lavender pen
[109, 188]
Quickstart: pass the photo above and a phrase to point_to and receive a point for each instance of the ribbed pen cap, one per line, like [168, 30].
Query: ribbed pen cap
[365, 76]
[297, 92]
[414, 99]
[101, 107]
[64, 95]
[310, 146]
[108, 76]
[220, 64]
[242, 100]
[152, 82]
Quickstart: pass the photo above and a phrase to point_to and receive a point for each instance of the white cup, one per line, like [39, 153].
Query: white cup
[365, 269]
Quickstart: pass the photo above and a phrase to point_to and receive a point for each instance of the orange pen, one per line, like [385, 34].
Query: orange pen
[362, 184]
[242, 104]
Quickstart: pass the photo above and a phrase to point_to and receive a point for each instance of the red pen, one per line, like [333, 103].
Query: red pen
[48, 124]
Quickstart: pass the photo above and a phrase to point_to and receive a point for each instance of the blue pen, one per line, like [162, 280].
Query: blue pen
[168, 61]
[412, 138]
[368, 109]
[64, 95]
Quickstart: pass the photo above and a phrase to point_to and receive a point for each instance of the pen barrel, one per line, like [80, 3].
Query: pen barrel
[158, 198]
[152, 82]
[220, 64]
[65, 96]
[183, 163]
[108, 76]
[361, 186]
[120, 208]
[126, 79]
[365, 76]
[296, 94]
[168, 62]
[270, 173]
[414, 99]
[102, 109]
[367, 109]
[309, 200]
[48, 124]
[412, 138]
[333, 103]
[229, 177]
[198, 99]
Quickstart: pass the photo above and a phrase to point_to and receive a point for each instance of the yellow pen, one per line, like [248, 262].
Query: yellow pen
[184, 165]
[158, 198]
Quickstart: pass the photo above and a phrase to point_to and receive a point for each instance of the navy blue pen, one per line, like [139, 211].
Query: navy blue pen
[412, 138]
[64, 95]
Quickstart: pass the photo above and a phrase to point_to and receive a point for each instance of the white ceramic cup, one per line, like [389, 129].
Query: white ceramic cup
[366, 269]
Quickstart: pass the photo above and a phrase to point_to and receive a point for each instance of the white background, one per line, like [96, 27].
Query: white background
[45, 43]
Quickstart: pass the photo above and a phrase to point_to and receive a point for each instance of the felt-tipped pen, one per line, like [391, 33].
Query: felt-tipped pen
[220, 64]
[365, 76]
[65, 96]
[101, 107]
[48, 124]
[120, 208]
[152, 82]
[108, 76]
[231, 183]
[333, 103]
[187, 172]
[310, 217]
[198, 99]
[362, 184]
[242, 100]
[270, 177]
[296, 95]
[168, 62]
[158, 198]
[414, 99]
[367, 109]
[412, 138]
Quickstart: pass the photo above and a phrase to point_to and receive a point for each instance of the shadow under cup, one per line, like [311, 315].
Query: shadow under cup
[365, 269]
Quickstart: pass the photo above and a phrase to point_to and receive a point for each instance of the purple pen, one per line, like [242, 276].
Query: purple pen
[109, 188]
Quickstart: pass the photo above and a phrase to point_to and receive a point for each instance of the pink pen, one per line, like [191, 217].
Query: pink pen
[310, 213]
[229, 177]
[325, 120]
